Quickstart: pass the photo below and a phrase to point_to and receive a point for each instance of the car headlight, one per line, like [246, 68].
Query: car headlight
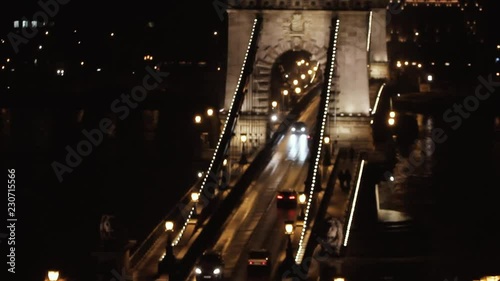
[293, 129]
[217, 271]
[303, 129]
[197, 270]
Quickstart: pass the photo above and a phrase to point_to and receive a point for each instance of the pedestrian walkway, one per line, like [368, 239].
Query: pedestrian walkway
[337, 206]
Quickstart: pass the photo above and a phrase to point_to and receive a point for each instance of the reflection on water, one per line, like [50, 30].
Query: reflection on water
[297, 148]
[414, 161]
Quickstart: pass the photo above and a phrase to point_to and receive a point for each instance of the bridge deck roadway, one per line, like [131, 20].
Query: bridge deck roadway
[257, 223]
[147, 270]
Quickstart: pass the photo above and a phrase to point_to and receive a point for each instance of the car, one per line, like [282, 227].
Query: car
[259, 261]
[210, 266]
[298, 128]
[287, 198]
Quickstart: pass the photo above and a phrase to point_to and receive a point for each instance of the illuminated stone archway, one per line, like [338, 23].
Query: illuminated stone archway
[258, 100]
[361, 55]
[308, 30]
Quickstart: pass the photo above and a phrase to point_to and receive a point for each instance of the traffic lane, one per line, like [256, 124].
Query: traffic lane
[282, 152]
[239, 226]
[270, 234]
[253, 207]
[268, 219]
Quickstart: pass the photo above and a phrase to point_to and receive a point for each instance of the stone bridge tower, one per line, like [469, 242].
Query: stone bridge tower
[304, 25]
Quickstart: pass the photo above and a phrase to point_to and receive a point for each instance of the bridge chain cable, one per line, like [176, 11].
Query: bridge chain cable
[322, 116]
[230, 123]
[177, 214]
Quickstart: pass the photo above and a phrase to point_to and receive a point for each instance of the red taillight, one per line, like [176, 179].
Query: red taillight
[279, 197]
[250, 262]
[291, 197]
[264, 263]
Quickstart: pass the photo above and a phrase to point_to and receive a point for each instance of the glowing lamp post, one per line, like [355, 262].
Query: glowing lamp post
[274, 118]
[53, 275]
[392, 120]
[169, 226]
[289, 228]
[302, 198]
[225, 174]
[210, 112]
[167, 263]
[302, 203]
[289, 260]
[243, 159]
[195, 197]
[327, 159]
[274, 104]
[284, 101]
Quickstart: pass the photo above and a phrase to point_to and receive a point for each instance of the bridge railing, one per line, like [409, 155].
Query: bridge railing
[176, 215]
[325, 202]
[352, 200]
[313, 172]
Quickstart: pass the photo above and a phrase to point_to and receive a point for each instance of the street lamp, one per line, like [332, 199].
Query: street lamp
[274, 117]
[302, 203]
[195, 197]
[53, 275]
[298, 90]
[302, 198]
[289, 261]
[197, 119]
[167, 263]
[274, 104]
[289, 228]
[283, 102]
[210, 112]
[169, 226]
[243, 159]
[225, 174]
[392, 120]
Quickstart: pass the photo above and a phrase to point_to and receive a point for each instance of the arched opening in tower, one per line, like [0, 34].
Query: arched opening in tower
[292, 75]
